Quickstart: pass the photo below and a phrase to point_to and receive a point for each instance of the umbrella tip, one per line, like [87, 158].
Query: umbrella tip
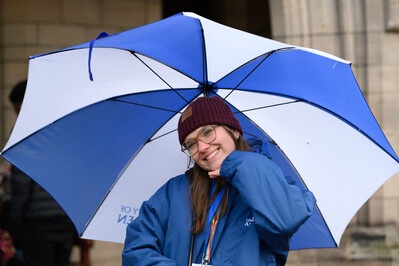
[209, 89]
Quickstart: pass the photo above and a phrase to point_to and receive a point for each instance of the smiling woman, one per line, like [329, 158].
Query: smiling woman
[232, 191]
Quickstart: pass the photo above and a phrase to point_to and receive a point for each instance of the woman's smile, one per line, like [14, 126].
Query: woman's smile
[212, 154]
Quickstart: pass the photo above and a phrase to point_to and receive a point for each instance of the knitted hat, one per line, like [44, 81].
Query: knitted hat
[206, 111]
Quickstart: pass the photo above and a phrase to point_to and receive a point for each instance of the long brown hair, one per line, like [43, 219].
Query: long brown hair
[201, 186]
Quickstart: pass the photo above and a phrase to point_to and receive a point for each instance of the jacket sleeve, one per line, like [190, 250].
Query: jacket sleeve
[279, 208]
[145, 235]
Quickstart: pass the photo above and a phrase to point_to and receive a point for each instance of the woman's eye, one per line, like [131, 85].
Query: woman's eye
[189, 144]
[207, 132]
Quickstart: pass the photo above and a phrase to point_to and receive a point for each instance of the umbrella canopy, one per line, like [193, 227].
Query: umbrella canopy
[97, 127]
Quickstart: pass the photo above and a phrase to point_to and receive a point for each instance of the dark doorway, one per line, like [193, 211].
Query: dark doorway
[251, 15]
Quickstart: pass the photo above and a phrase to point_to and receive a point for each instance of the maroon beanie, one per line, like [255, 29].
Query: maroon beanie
[206, 111]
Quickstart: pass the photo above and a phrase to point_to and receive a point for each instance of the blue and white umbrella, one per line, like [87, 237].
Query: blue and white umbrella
[97, 127]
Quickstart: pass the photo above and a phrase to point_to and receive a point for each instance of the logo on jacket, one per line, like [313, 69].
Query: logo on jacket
[249, 221]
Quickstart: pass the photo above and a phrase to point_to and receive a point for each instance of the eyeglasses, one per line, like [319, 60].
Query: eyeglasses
[207, 134]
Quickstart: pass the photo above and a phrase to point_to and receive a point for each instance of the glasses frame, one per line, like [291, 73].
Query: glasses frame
[198, 138]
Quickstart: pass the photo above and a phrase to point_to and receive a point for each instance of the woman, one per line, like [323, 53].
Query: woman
[236, 204]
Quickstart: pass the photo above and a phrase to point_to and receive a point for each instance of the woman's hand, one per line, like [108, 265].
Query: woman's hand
[214, 173]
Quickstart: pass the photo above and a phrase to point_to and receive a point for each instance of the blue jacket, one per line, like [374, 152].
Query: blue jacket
[264, 211]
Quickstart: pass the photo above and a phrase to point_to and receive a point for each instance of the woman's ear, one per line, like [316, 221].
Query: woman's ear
[236, 134]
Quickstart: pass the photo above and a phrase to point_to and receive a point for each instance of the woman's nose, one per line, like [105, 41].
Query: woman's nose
[202, 146]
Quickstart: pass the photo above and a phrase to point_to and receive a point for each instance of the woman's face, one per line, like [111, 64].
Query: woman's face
[210, 156]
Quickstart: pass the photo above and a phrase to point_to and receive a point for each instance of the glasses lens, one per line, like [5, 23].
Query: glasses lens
[190, 147]
[206, 135]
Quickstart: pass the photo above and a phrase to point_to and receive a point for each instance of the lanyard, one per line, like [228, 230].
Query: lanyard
[211, 222]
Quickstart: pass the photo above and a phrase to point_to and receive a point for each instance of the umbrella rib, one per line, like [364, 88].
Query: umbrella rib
[207, 87]
[153, 107]
[326, 110]
[238, 84]
[160, 136]
[156, 74]
[269, 106]
[138, 58]
[144, 105]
